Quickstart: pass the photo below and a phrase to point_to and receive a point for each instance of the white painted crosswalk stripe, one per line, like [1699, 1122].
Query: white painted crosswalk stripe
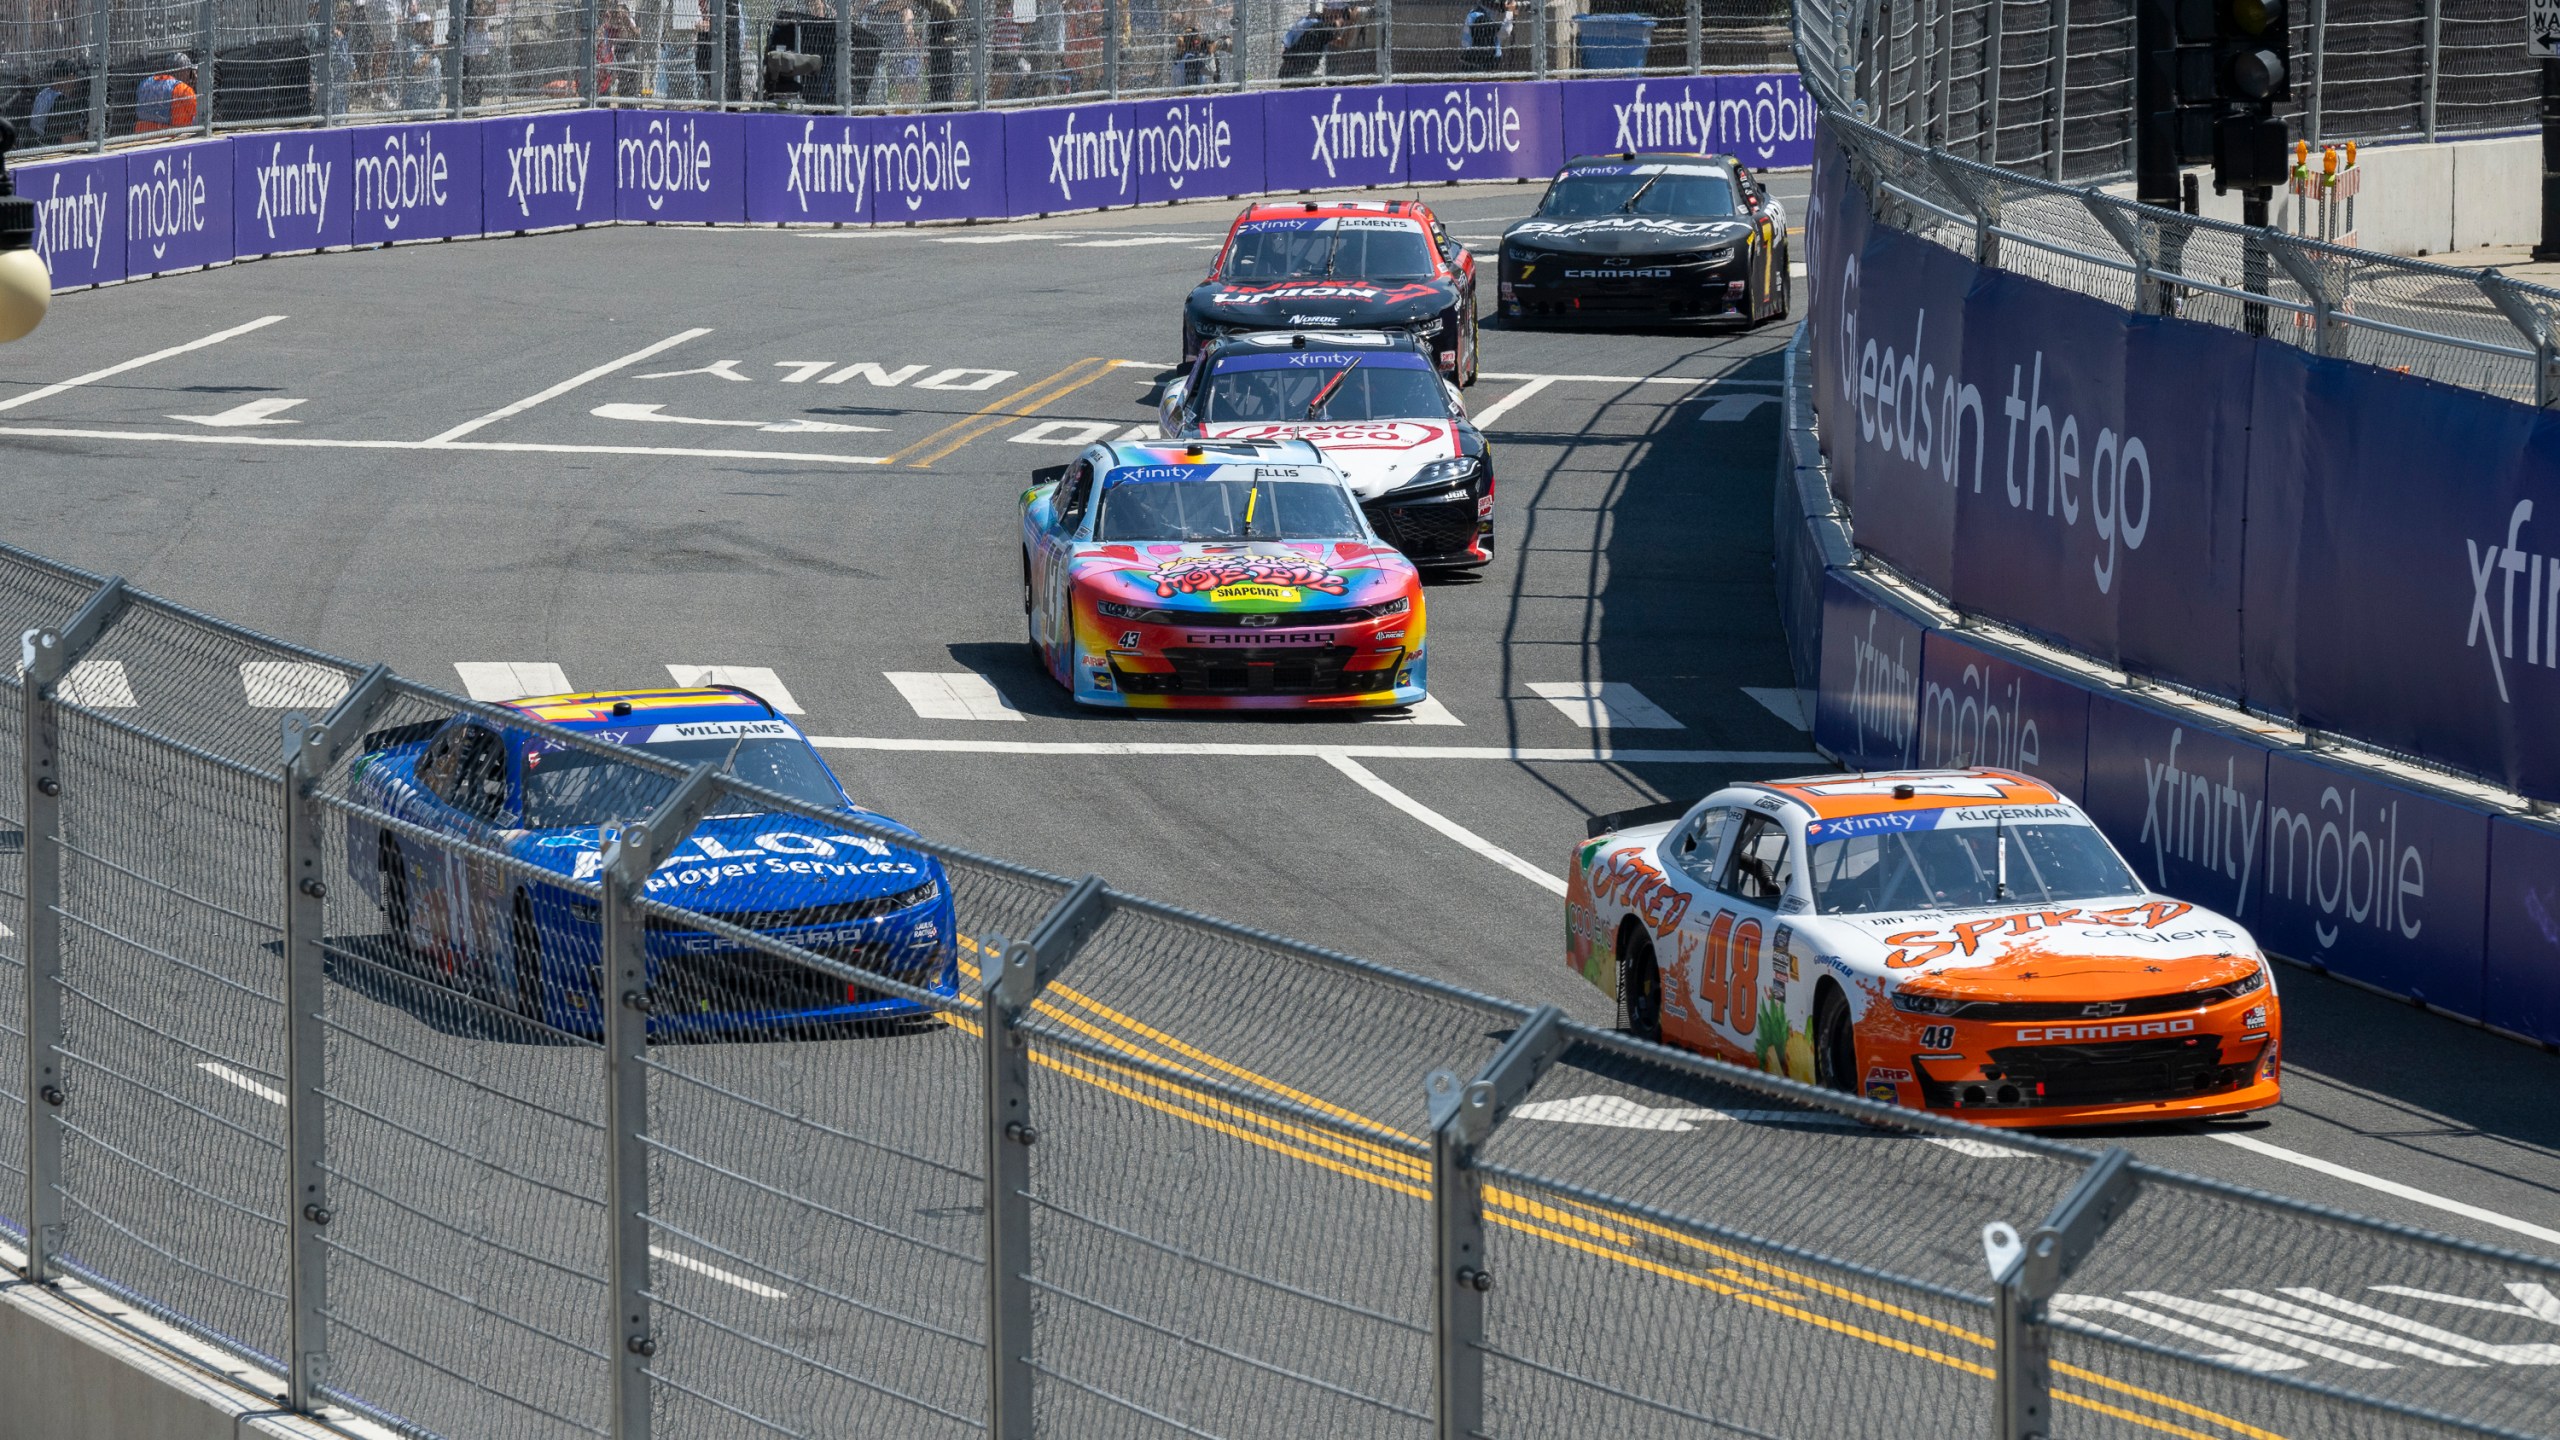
[97, 685]
[767, 686]
[292, 685]
[1429, 712]
[952, 695]
[1604, 705]
[1785, 702]
[510, 679]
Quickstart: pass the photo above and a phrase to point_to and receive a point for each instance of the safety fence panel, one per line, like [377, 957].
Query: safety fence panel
[13, 960]
[1211, 1260]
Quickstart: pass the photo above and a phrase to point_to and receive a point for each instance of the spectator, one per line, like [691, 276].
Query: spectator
[705, 62]
[1191, 57]
[617, 47]
[378, 49]
[1303, 44]
[60, 115]
[421, 66]
[942, 50]
[166, 101]
[1486, 34]
[342, 59]
[1008, 68]
[478, 51]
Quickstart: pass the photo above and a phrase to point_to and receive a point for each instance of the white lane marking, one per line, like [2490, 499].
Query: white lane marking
[682, 1261]
[1607, 379]
[952, 695]
[1784, 701]
[1070, 433]
[217, 337]
[292, 684]
[2536, 1302]
[1795, 271]
[1618, 1112]
[495, 680]
[1604, 705]
[1599, 754]
[1014, 238]
[554, 392]
[767, 686]
[312, 442]
[1429, 712]
[248, 412]
[1726, 409]
[2411, 1193]
[1492, 414]
[1369, 781]
[721, 369]
[1125, 244]
[225, 1073]
[623, 410]
[97, 685]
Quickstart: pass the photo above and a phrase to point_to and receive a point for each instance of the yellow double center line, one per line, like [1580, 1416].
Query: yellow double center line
[1594, 1230]
[1028, 400]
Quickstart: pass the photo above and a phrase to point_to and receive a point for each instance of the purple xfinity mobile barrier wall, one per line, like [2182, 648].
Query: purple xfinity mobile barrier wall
[1979, 709]
[177, 208]
[1078, 157]
[539, 172]
[2186, 803]
[1764, 120]
[1483, 132]
[1868, 706]
[2522, 977]
[681, 168]
[1334, 139]
[1199, 147]
[80, 219]
[2378, 882]
[808, 169]
[938, 167]
[290, 192]
[833, 169]
[414, 182]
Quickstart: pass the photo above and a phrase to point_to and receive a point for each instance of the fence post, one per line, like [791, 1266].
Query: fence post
[206, 64]
[2319, 71]
[98, 74]
[980, 46]
[457, 35]
[843, 28]
[1114, 14]
[1386, 23]
[1021, 970]
[2029, 1272]
[2321, 285]
[720, 45]
[1240, 44]
[1991, 45]
[623, 998]
[1983, 204]
[1538, 39]
[1697, 56]
[2060, 61]
[45, 656]
[2149, 296]
[587, 52]
[2520, 312]
[1463, 1117]
[2435, 58]
[309, 754]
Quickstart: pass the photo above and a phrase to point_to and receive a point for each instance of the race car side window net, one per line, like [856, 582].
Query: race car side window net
[1762, 863]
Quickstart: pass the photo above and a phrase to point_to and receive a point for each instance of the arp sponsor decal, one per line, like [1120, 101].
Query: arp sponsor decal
[2115, 1030]
[1628, 879]
[1887, 1075]
[1192, 574]
[1922, 947]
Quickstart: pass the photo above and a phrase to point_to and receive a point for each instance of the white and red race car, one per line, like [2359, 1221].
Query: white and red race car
[1372, 401]
[1961, 941]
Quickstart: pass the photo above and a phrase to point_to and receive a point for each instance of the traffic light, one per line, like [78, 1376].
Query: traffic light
[2174, 92]
[2252, 73]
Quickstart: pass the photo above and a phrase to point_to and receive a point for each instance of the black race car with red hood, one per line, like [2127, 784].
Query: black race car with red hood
[1350, 265]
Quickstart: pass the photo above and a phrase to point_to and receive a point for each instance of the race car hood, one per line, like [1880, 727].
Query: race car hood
[2093, 952]
[1247, 577]
[1629, 235]
[1332, 304]
[753, 863]
[1376, 456]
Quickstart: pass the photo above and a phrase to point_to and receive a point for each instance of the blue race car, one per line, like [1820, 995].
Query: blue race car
[491, 931]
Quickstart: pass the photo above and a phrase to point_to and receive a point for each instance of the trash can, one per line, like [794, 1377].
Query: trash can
[1613, 42]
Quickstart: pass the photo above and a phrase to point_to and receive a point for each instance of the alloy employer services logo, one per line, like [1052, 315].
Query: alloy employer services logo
[540, 169]
[166, 203]
[2497, 570]
[667, 159]
[408, 172]
[293, 190]
[72, 222]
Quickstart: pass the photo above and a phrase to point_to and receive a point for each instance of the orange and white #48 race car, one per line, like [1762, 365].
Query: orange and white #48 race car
[1963, 941]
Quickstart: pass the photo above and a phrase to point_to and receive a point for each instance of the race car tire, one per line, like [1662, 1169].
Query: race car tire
[394, 874]
[1640, 985]
[1835, 1043]
[528, 957]
[1475, 348]
[1786, 285]
[1190, 347]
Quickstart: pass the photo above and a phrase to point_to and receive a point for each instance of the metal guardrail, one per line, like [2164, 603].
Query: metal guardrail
[82, 63]
[1148, 1172]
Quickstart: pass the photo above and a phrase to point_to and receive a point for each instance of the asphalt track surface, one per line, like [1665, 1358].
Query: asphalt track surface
[622, 451]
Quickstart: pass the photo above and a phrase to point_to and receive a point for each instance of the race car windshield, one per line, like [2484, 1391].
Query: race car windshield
[1397, 253]
[1227, 510]
[566, 787]
[1589, 195]
[1952, 869]
[1369, 392]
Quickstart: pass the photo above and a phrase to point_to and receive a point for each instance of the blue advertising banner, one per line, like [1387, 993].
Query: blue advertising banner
[938, 167]
[1483, 132]
[2380, 883]
[80, 218]
[1080, 157]
[2522, 976]
[680, 168]
[415, 182]
[1198, 147]
[177, 208]
[808, 169]
[1868, 708]
[1327, 139]
[545, 171]
[290, 192]
[1764, 120]
[1977, 708]
[2185, 803]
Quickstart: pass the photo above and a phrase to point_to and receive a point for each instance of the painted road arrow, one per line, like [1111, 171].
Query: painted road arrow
[625, 411]
[254, 412]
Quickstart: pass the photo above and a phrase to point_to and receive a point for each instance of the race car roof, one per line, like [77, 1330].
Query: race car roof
[601, 709]
[1205, 455]
[1264, 341]
[1644, 157]
[1878, 792]
[1334, 210]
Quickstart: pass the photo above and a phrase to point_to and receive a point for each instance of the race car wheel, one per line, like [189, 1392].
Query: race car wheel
[395, 889]
[1786, 285]
[528, 949]
[1640, 985]
[1835, 1043]
[1475, 348]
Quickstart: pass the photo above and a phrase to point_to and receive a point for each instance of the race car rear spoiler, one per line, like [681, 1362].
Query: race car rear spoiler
[1654, 814]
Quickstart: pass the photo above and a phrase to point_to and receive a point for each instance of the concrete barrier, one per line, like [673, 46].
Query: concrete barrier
[2433, 200]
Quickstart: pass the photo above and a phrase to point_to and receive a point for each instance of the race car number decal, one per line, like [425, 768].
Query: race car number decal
[1920, 947]
[1728, 983]
[1193, 574]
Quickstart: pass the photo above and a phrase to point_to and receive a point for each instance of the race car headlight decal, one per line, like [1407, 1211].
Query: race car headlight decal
[1716, 257]
[1118, 611]
[1457, 470]
[1928, 1004]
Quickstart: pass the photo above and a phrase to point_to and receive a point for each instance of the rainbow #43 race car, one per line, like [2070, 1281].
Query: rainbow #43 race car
[1962, 941]
[518, 943]
[1216, 575]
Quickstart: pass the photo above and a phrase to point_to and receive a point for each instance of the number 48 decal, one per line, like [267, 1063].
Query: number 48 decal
[1937, 1037]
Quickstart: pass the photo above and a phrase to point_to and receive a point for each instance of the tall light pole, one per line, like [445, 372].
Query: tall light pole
[26, 287]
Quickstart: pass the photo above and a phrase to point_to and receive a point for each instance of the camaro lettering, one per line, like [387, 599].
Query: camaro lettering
[1282, 638]
[2122, 1030]
[1652, 274]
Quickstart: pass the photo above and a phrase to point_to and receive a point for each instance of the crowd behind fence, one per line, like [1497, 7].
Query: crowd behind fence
[341, 1078]
[87, 73]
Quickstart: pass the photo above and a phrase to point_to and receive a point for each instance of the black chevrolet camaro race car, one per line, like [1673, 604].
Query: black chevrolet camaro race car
[1341, 264]
[1642, 235]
